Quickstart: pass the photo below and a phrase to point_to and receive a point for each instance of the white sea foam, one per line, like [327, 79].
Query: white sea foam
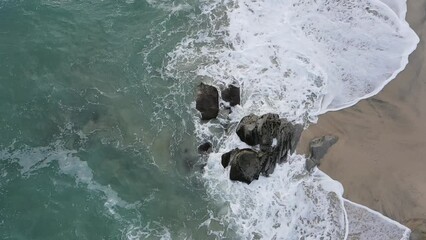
[297, 58]
[365, 223]
[288, 204]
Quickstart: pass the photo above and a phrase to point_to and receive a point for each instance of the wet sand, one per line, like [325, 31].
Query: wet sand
[380, 157]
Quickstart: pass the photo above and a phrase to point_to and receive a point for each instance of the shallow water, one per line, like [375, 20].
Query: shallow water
[98, 131]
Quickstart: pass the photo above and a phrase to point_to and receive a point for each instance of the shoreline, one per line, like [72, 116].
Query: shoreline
[379, 158]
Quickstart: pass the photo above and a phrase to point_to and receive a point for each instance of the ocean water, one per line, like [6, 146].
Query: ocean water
[98, 131]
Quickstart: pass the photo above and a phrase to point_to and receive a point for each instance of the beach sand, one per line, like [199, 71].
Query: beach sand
[380, 157]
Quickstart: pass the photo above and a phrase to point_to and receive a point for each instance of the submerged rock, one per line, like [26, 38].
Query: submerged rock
[318, 147]
[245, 166]
[207, 101]
[205, 148]
[232, 95]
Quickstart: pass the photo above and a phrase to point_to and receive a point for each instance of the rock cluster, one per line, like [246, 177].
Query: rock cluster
[231, 95]
[276, 137]
[207, 103]
[271, 139]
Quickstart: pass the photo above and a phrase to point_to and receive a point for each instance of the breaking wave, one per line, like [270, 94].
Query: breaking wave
[297, 58]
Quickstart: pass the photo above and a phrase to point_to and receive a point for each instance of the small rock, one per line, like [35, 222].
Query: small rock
[247, 130]
[318, 147]
[205, 148]
[310, 164]
[226, 157]
[207, 101]
[231, 95]
[245, 166]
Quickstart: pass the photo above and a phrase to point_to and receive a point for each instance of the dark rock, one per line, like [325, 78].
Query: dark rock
[207, 101]
[226, 157]
[205, 148]
[247, 130]
[310, 164]
[277, 138]
[268, 161]
[318, 147]
[267, 127]
[245, 166]
[287, 139]
[231, 95]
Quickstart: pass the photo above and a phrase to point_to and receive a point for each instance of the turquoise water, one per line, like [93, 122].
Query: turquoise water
[98, 131]
[95, 143]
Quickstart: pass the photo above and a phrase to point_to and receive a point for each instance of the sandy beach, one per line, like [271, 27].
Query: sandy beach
[380, 157]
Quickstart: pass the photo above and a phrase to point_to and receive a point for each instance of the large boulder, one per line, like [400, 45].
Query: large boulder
[231, 94]
[247, 130]
[245, 166]
[207, 101]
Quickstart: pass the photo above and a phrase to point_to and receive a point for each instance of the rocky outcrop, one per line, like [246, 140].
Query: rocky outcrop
[207, 101]
[272, 138]
[318, 147]
[231, 94]
[276, 137]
